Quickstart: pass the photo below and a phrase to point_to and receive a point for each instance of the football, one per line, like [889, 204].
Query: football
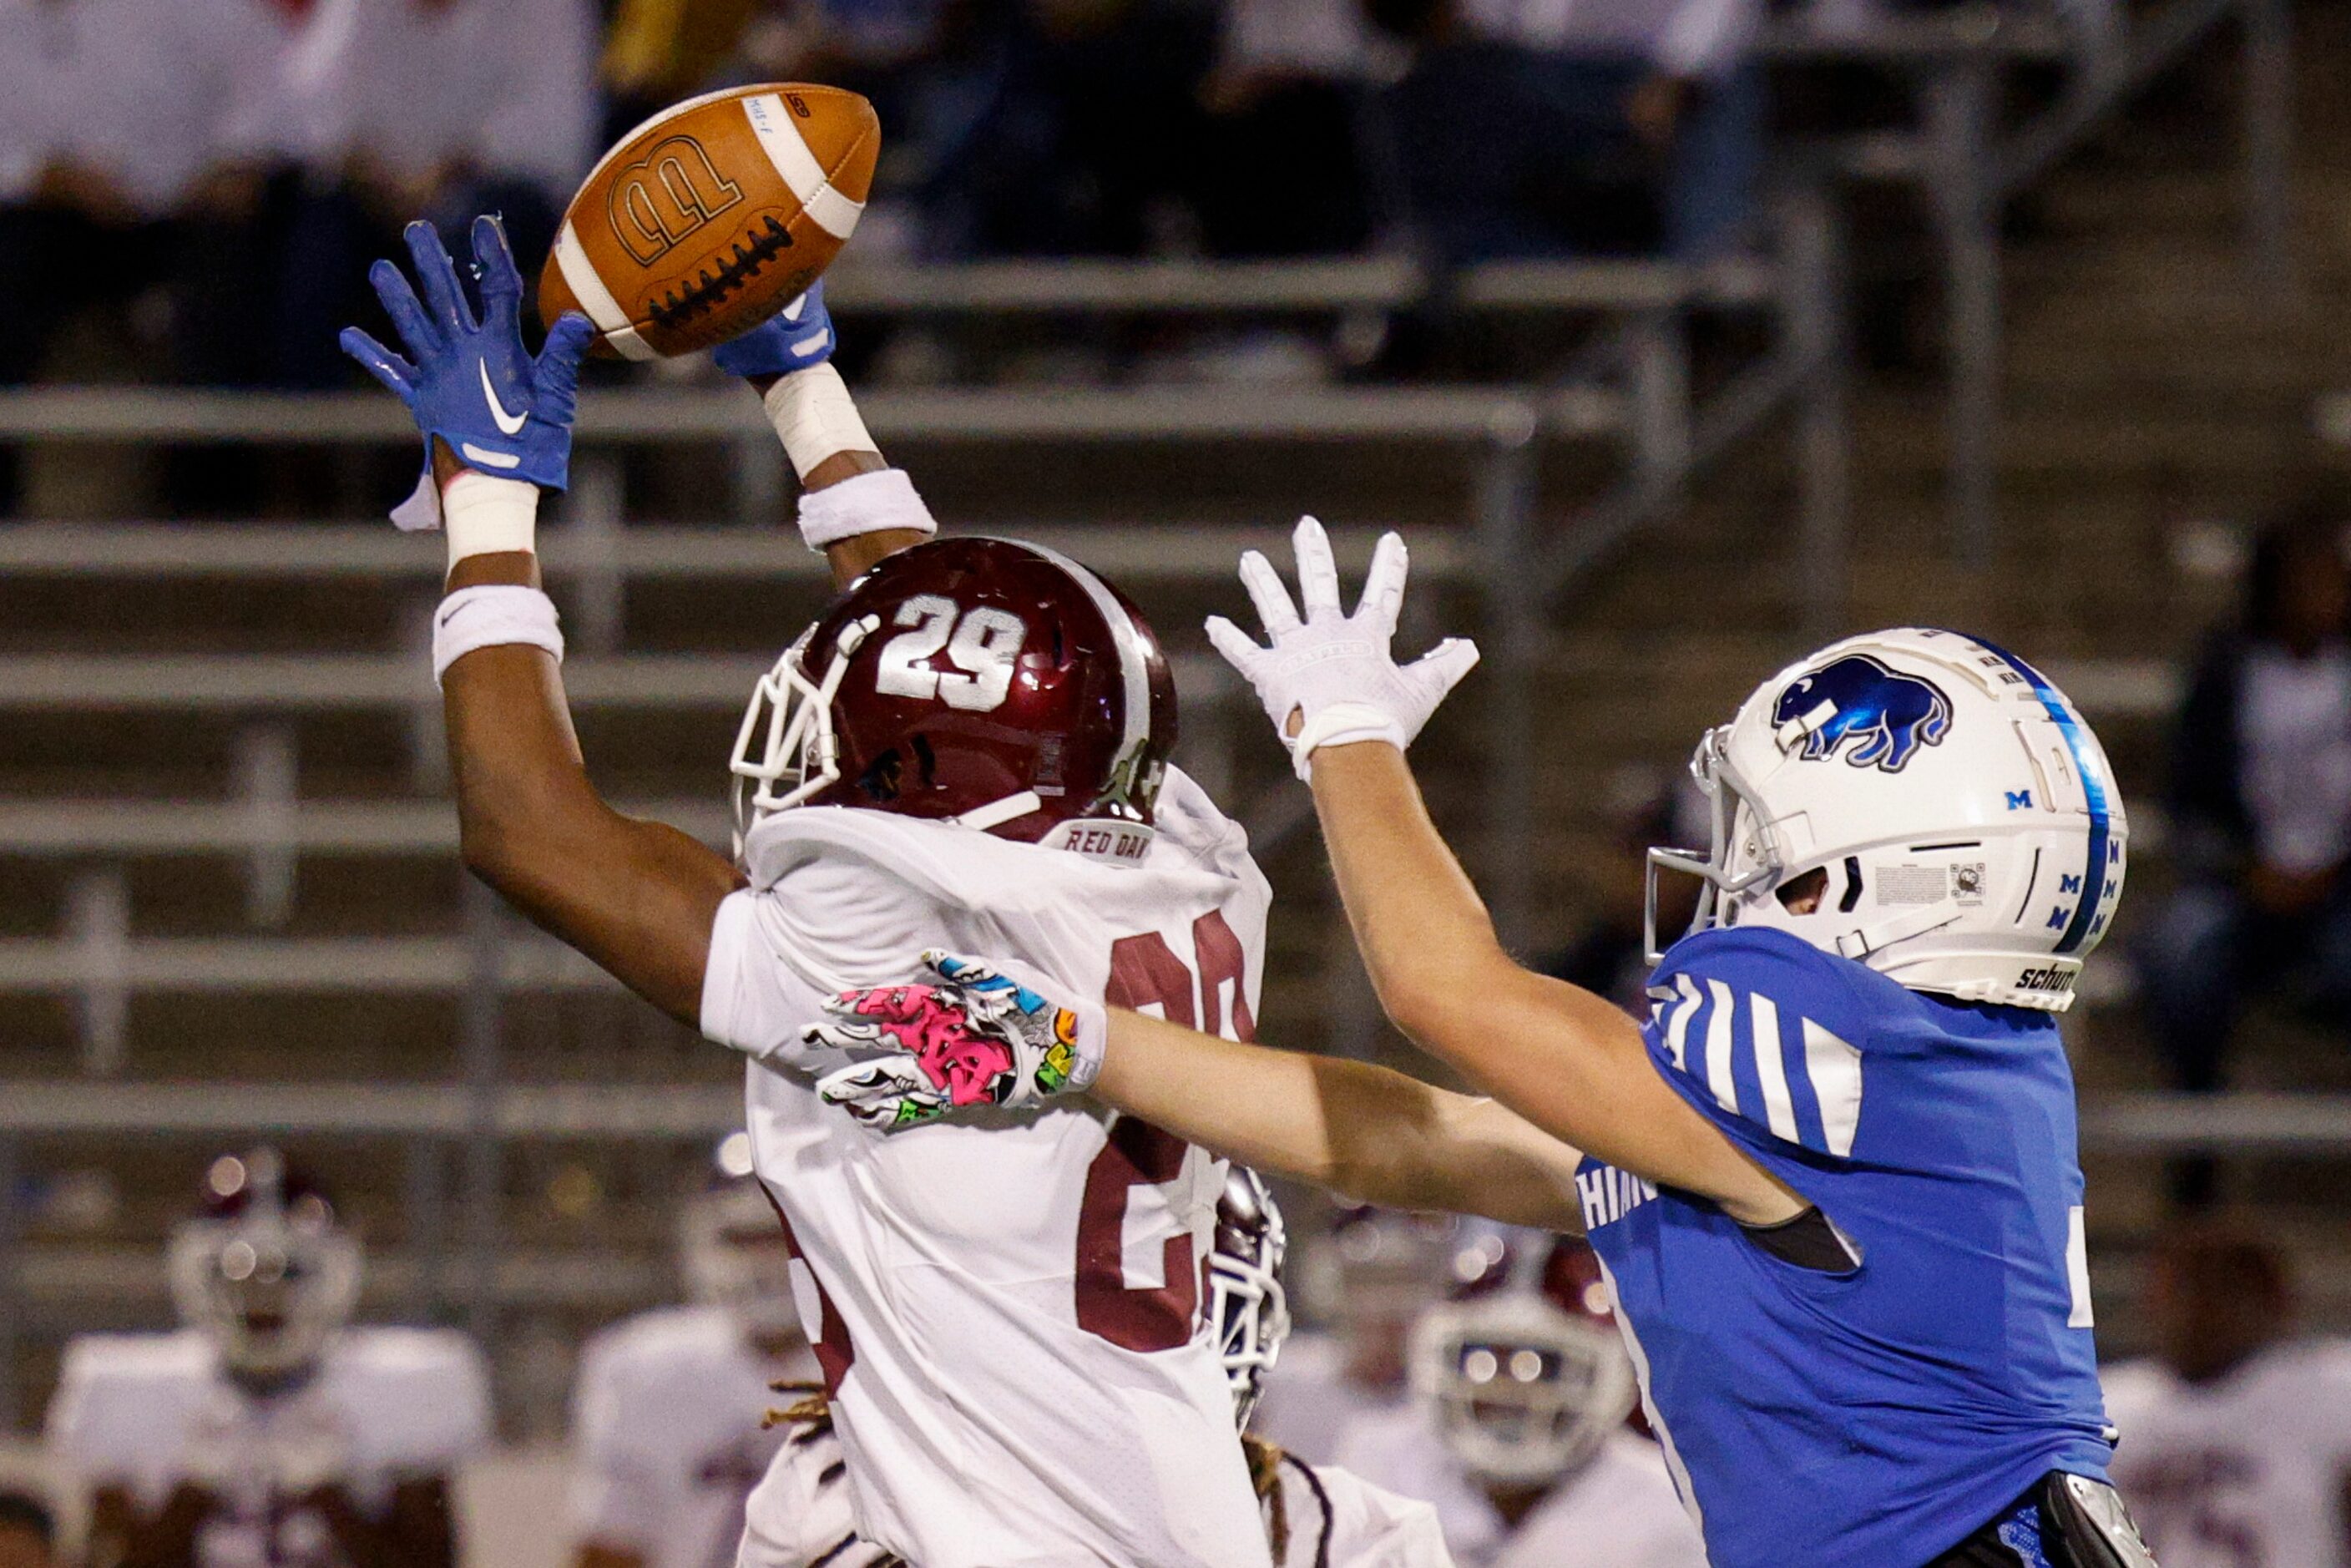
[711, 215]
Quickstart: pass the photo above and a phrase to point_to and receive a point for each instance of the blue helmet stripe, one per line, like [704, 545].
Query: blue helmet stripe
[2093, 791]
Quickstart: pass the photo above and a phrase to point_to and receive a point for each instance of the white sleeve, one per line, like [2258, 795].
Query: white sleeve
[256, 104]
[1371, 1528]
[614, 1497]
[427, 1406]
[71, 1418]
[829, 924]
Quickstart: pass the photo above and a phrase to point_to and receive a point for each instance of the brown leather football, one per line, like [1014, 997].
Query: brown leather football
[711, 215]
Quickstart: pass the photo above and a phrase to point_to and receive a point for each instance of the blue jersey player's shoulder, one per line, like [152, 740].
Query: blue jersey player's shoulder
[1759, 1028]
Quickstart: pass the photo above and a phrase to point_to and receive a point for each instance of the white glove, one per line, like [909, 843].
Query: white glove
[1335, 671]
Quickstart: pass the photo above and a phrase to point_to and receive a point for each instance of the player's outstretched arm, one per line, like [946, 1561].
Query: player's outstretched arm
[970, 1034]
[1364, 1132]
[1571, 1061]
[636, 896]
[853, 505]
[1568, 1060]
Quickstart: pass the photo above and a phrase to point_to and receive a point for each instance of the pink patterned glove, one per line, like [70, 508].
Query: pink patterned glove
[969, 1035]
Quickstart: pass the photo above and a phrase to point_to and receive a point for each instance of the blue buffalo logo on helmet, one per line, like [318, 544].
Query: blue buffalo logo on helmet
[1890, 714]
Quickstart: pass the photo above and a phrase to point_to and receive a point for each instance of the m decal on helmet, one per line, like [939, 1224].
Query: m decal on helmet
[1858, 698]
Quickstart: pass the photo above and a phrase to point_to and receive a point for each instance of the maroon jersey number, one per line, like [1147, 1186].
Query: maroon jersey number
[1145, 972]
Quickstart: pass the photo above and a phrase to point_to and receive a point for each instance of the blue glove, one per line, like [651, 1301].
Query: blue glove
[793, 338]
[473, 384]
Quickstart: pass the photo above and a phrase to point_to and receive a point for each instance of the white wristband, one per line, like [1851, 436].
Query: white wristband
[1341, 723]
[491, 616]
[867, 504]
[815, 418]
[483, 516]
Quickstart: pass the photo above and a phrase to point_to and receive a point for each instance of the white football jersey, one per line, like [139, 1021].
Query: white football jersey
[1006, 1307]
[2248, 1471]
[147, 1411]
[1619, 1511]
[667, 1424]
[801, 1516]
[1309, 1399]
[1336, 1519]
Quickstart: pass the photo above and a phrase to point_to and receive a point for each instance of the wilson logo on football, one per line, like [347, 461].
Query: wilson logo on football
[673, 191]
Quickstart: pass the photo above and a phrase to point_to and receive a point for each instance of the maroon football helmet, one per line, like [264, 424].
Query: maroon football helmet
[996, 684]
[1524, 1369]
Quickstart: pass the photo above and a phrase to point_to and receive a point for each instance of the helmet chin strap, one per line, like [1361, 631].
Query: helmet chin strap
[1860, 942]
[996, 813]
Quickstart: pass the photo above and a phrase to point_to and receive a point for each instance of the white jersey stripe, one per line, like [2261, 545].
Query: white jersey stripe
[788, 150]
[1133, 665]
[1674, 1466]
[1834, 1069]
[596, 299]
[1718, 1047]
[1763, 1015]
[1678, 1031]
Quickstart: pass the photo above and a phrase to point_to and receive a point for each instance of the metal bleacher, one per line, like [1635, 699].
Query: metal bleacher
[450, 1135]
[452, 1145]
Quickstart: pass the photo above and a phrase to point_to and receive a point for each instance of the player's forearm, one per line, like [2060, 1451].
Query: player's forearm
[828, 445]
[1347, 1127]
[637, 897]
[1421, 927]
[1571, 1062]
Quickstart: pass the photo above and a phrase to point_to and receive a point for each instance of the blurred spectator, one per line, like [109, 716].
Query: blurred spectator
[657, 52]
[27, 1532]
[1518, 1432]
[1081, 131]
[424, 108]
[267, 1429]
[2236, 1438]
[2260, 807]
[667, 1414]
[136, 139]
[1285, 176]
[1516, 115]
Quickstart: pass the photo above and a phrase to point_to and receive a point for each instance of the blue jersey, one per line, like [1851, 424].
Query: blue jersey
[1876, 1417]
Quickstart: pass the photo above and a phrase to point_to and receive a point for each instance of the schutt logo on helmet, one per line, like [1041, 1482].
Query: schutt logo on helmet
[1857, 698]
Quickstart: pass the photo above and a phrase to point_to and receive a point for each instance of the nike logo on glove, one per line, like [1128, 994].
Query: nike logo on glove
[508, 423]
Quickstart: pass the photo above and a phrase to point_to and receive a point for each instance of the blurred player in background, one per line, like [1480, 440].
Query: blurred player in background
[2236, 1438]
[1370, 1276]
[1315, 1516]
[267, 1430]
[666, 1418]
[1519, 1434]
[972, 745]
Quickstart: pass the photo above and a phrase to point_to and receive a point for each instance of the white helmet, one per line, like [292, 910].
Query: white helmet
[1527, 1376]
[265, 1272]
[1248, 1311]
[1962, 813]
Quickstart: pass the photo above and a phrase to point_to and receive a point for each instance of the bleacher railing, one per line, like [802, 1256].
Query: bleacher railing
[1635, 396]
